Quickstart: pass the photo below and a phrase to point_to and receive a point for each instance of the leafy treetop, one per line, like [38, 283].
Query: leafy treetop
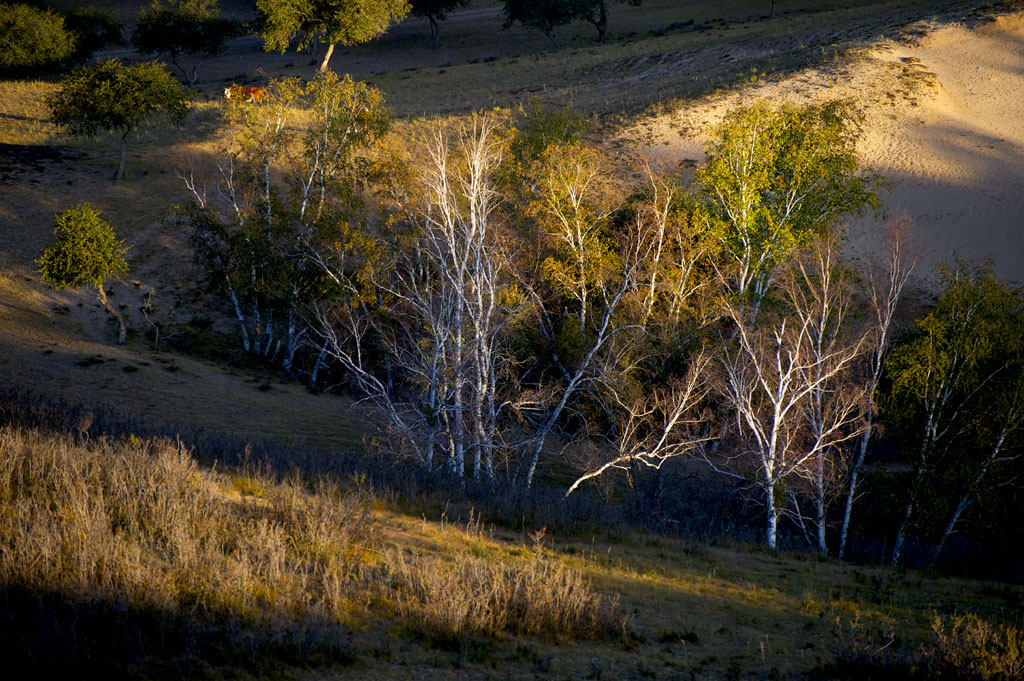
[348, 22]
[117, 97]
[93, 29]
[32, 37]
[775, 178]
[87, 252]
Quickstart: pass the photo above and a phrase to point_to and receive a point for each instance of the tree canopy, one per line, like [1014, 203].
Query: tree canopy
[87, 253]
[32, 37]
[775, 178]
[183, 28]
[345, 22]
[546, 15]
[117, 97]
[93, 29]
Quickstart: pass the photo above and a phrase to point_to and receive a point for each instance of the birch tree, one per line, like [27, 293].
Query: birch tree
[769, 376]
[818, 293]
[581, 297]
[449, 296]
[885, 288]
[775, 179]
[284, 188]
[994, 461]
[945, 366]
[668, 424]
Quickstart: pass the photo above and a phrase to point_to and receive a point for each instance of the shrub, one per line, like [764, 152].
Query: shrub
[968, 648]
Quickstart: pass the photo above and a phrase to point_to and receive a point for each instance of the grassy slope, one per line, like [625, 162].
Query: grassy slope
[234, 546]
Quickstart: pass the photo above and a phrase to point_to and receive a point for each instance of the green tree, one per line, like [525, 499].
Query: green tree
[117, 97]
[32, 37]
[951, 382]
[183, 29]
[87, 253]
[345, 22]
[93, 29]
[435, 11]
[546, 15]
[776, 178]
[598, 16]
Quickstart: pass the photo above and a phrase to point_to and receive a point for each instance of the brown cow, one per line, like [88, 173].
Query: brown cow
[244, 94]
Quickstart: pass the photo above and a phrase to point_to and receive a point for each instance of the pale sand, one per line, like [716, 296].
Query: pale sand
[944, 126]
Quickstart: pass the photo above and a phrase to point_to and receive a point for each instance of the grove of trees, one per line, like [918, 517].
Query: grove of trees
[504, 299]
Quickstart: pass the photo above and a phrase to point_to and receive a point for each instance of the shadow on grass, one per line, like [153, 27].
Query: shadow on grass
[45, 634]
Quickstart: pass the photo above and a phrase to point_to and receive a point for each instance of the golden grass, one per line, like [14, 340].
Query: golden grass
[138, 523]
[325, 568]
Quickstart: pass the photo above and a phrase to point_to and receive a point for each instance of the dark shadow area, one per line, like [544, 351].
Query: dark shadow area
[50, 635]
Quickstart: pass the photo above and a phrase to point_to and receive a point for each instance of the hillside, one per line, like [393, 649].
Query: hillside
[124, 558]
[144, 558]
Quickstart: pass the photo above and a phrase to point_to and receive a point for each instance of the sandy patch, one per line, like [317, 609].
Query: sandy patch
[944, 125]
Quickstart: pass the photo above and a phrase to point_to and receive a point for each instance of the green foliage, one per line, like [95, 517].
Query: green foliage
[546, 15]
[955, 387]
[32, 37]
[437, 9]
[345, 22]
[183, 29]
[543, 127]
[87, 252]
[955, 345]
[775, 178]
[94, 29]
[114, 96]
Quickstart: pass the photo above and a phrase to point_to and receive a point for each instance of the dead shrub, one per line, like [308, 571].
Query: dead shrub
[968, 648]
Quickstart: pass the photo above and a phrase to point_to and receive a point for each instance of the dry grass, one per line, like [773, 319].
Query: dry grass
[129, 552]
[240, 559]
[450, 599]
